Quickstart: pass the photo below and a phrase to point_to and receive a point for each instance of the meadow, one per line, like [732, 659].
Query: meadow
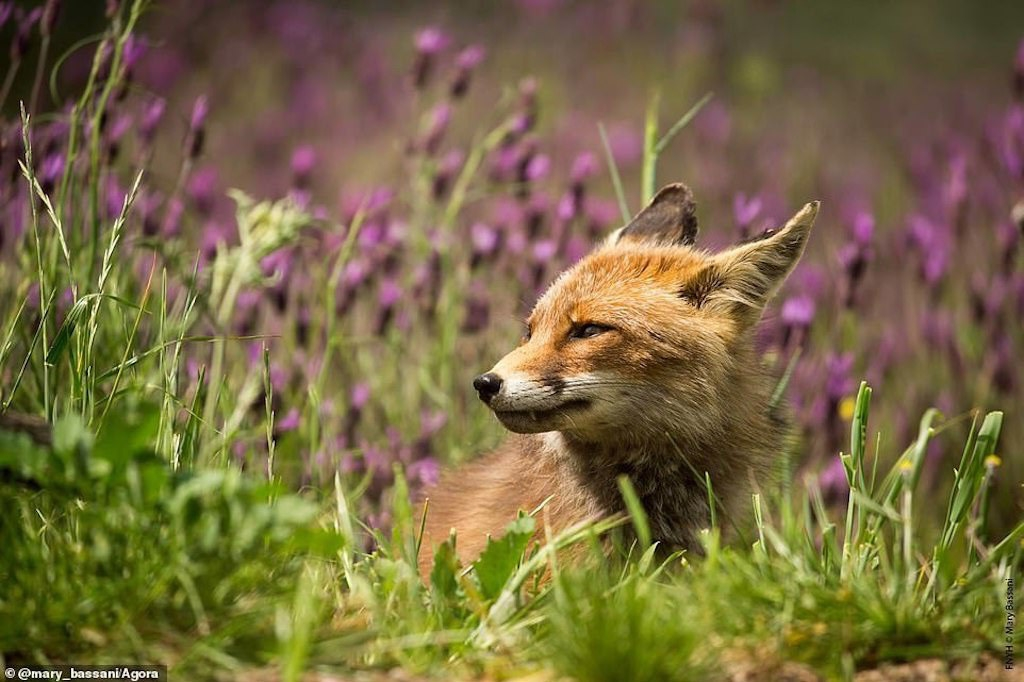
[247, 276]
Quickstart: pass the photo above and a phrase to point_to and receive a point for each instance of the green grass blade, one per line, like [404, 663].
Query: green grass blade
[613, 170]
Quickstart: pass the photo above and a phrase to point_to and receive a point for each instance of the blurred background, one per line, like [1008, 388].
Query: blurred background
[457, 147]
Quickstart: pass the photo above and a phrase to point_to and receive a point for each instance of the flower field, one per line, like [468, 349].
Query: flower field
[253, 254]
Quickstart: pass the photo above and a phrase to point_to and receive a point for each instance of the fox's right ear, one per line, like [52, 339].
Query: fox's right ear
[670, 219]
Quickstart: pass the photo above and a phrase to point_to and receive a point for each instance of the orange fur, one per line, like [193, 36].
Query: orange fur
[639, 361]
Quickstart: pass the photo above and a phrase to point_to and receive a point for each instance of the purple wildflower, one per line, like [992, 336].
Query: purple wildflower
[429, 43]
[447, 168]
[424, 472]
[172, 218]
[388, 295]
[151, 117]
[289, 422]
[303, 162]
[838, 376]
[465, 63]
[196, 126]
[584, 167]
[23, 34]
[133, 52]
[798, 312]
[745, 211]
[52, 168]
[485, 241]
[202, 188]
[440, 117]
[537, 167]
[833, 482]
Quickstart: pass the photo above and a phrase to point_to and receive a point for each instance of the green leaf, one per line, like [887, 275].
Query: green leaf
[636, 511]
[500, 557]
[444, 574]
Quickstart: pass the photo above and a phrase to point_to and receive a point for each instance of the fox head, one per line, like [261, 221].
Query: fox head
[647, 334]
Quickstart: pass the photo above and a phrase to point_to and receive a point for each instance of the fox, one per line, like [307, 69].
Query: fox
[638, 360]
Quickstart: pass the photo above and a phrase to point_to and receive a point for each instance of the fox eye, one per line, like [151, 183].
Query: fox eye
[586, 331]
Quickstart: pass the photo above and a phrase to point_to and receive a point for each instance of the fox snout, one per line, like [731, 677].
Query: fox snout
[487, 386]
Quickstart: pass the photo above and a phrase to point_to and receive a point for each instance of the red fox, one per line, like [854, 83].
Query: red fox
[638, 360]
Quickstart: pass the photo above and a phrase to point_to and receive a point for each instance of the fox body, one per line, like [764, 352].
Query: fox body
[638, 360]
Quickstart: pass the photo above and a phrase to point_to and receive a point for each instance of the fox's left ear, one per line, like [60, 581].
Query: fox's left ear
[744, 278]
[670, 218]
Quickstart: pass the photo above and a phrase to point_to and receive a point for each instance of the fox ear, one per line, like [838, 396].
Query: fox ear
[670, 218]
[744, 278]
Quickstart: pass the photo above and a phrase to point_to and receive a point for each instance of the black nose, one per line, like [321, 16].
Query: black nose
[487, 385]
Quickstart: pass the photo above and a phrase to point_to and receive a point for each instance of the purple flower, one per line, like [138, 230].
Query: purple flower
[584, 167]
[390, 293]
[745, 211]
[303, 161]
[447, 168]
[203, 189]
[6, 9]
[545, 250]
[134, 51]
[863, 228]
[484, 238]
[355, 273]
[932, 244]
[277, 264]
[470, 57]
[196, 126]
[424, 472]
[567, 207]
[440, 117]
[838, 380]
[172, 218]
[289, 422]
[359, 396]
[503, 163]
[200, 110]
[52, 168]
[431, 40]
[116, 195]
[798, 311]
[832, 480]
[23, 35]
[537, 167]
[431, 422]
[151, 117]
[955, 188]
[465, 63]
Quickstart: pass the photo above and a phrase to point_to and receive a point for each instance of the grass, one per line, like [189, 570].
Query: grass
[135, 533]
